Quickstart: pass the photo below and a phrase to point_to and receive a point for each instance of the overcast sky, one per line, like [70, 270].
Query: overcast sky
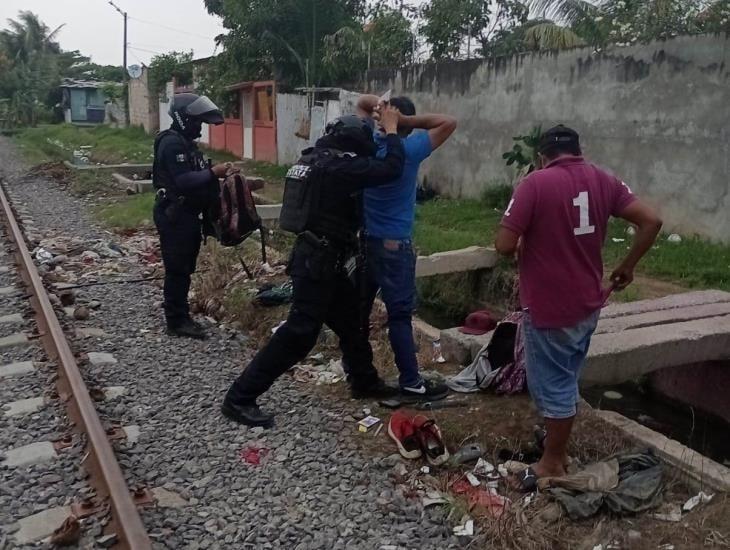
[95, 28]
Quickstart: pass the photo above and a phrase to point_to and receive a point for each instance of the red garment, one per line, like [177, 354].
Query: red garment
[561, 213]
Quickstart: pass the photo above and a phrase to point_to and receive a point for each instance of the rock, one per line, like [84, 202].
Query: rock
[81, 313]
[107, 541]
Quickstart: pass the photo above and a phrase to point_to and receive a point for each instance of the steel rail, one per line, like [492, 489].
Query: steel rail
[105, 474]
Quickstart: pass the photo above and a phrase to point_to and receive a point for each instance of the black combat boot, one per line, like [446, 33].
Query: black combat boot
[188, 329]
[248, 414]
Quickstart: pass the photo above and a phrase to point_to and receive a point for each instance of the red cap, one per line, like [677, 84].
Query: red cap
[478, 323]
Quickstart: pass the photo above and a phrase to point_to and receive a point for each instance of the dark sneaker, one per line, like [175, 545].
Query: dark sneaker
[249, 415]
[377, 390]
[187, 329]
[427, 391]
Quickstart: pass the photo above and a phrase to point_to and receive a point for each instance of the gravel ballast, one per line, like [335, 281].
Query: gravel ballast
[314, 489]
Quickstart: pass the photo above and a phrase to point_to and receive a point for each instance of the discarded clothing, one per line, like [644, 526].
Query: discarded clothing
[270, 295]
[499, 365]
[600, 476]
[639, 487]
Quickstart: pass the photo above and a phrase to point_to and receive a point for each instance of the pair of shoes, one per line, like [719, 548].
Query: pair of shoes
[375, 390]
[416, 437]
[247, 414]
[427, 391]
[188, 329]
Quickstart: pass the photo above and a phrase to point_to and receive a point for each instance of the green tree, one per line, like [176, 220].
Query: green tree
[452, 25]
[283, 39]
[166, 66]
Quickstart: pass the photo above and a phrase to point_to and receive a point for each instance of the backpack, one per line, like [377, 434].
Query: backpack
[234, 216]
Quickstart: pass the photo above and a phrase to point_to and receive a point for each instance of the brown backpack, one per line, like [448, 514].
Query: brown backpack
[235, 217]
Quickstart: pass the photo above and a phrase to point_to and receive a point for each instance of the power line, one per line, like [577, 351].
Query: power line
[131, 47]
[173, 29]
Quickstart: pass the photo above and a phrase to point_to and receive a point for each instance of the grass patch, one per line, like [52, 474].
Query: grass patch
[273, 173]
[129, 213]
[445, 224]
[693, 263]
[109, 145]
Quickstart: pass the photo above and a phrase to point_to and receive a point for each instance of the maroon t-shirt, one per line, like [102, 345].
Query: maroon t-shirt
[561, 213]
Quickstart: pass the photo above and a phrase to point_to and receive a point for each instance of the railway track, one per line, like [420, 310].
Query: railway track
[107, 499]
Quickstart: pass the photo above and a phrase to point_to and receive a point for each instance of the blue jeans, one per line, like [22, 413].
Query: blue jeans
[554, 359]
[392, 269]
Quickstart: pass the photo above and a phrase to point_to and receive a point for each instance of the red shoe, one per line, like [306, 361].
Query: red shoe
[429, 438]
[401, 430]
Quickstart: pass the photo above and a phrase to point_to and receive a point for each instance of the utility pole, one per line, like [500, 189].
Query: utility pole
[124, 66]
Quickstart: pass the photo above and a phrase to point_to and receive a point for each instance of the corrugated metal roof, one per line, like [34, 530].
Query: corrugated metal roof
[77, 83]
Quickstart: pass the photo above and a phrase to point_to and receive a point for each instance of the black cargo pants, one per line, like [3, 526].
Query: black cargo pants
[322, 294]
[180, 237]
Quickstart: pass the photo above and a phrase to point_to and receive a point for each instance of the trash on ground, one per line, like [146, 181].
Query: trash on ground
[43, 256]
[433, 498]
[467, 453]
[472, 479]
[639, 488]
[366, 423]
[700, 498]
[674, 238]
[493, 480]
[502, 470]
[488, 501]
[616, 240]
[482, 467]
[271, 295]
[610, 394]
[465, 527]
[332, 373]
[515, 466]
[253, 454]
[668, 512]
[425, 470]
[437, 357]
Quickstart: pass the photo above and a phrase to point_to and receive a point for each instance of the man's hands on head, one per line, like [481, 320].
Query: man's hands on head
[388, 119]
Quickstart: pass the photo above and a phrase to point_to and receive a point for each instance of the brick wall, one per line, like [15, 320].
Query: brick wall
[143, 106]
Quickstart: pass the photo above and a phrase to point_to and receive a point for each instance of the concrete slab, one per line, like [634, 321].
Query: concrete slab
[133, 433]
[41, 525]
[662, 317]
[17, 369]
[144, 186]
[113, 392]
[98, 358]
[8, 290]
[23, 406]
[616, 357]
[455, 261]
[90, 333]
[268, 211]
[168, 499]
[686, 299]
[35, 453]
[13, 318]
[458, 347]
[700, 470]
[14, 340]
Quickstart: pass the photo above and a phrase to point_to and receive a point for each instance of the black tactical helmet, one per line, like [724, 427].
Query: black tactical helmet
[352, 133]
[189, 111]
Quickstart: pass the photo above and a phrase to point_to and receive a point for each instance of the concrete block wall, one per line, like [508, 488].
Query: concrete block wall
[655, 114]
[143, 105]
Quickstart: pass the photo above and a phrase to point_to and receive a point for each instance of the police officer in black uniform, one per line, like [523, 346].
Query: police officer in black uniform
[322, 204]
[186, 184]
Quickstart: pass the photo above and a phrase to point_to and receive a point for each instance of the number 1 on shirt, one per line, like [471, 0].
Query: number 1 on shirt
[581, 201]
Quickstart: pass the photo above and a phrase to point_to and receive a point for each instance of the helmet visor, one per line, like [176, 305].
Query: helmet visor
[204, 109]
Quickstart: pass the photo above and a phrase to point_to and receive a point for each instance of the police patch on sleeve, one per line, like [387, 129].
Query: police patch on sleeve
[180, 157]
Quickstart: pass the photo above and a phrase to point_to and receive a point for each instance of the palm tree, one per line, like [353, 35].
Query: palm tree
[28, 36]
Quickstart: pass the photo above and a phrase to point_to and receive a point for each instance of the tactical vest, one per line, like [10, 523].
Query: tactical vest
[312, 201]
[161, 178]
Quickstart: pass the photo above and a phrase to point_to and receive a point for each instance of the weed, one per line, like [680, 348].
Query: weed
[497, 195]
[128, 213]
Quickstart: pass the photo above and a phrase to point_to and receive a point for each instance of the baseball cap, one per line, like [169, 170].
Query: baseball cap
[559, 134]
[478, 323]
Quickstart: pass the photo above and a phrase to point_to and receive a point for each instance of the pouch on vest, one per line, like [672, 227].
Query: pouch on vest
[302, 189]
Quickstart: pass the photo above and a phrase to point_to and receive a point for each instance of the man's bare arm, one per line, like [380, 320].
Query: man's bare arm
[366, 104]
[506, 242]
[440, 127]
[648, 226]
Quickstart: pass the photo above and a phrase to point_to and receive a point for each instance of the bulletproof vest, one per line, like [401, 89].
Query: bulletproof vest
[161, 178]
[313, 200]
